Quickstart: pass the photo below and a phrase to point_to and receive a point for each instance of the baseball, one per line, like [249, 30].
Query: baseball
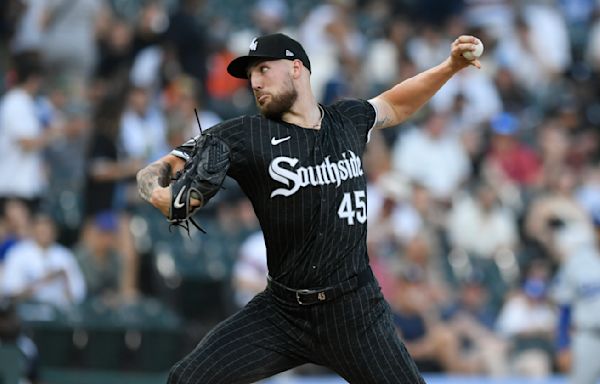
[472, 55]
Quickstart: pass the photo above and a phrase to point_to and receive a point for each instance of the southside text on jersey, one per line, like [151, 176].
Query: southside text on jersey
[325, 173]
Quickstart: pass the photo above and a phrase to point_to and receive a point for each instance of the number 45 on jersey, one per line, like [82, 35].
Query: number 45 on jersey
[353, 208]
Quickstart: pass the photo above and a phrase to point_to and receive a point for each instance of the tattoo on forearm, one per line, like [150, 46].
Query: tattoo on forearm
[153, 176]
[165, 175]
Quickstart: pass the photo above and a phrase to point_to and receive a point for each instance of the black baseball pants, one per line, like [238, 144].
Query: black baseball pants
[353, 335]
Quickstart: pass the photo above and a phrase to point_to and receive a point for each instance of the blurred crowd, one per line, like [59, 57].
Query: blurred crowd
[475, 205]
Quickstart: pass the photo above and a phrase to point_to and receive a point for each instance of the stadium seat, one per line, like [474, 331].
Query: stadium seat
[11, 364]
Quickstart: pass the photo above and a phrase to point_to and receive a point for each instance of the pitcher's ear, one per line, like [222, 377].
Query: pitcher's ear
[297, 68]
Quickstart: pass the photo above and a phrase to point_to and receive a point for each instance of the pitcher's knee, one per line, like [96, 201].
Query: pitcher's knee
[192, 371]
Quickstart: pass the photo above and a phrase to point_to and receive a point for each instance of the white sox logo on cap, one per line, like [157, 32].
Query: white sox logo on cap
[254, 44]
[276, 46]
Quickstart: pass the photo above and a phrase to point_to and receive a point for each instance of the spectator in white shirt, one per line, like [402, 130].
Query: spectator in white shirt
[21, 135]
[538, 51]
[432, 157]
[143, 127]
[480, 225]
[528, 320]
[42, 270]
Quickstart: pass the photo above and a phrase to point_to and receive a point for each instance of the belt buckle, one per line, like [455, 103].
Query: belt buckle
[320, 295]
[303, 292]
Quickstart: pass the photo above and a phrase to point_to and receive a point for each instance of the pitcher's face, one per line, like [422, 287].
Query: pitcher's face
[273, 88]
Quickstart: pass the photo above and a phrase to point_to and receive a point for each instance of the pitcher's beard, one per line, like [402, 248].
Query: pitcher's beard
[280, 104]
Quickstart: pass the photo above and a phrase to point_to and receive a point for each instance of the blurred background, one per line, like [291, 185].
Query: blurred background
[474, 205]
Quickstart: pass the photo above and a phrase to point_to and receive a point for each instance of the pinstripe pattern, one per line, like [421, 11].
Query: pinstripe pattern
[359, 342]
[352, 335]
[309, 194]
[252, 344]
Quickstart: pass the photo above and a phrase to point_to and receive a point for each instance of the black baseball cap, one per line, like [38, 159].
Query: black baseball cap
[269, 47]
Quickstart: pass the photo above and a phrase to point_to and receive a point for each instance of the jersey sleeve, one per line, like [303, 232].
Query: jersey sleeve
[232, 133]
[361, 113]
[184, 150]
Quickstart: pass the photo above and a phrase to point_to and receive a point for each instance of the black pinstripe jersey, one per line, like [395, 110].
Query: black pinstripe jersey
[308, 190]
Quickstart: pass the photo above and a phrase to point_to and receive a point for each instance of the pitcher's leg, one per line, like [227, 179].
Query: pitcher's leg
[249, 346]
[362, 344]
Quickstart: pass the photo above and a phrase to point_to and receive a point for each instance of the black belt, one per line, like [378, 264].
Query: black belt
[320, 295]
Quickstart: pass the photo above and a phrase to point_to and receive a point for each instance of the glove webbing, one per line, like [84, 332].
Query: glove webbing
[185, 225]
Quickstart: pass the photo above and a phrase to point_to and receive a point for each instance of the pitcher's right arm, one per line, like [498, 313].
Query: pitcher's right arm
[154, 180]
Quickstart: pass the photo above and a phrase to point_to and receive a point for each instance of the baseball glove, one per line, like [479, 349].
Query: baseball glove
[200, 179]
